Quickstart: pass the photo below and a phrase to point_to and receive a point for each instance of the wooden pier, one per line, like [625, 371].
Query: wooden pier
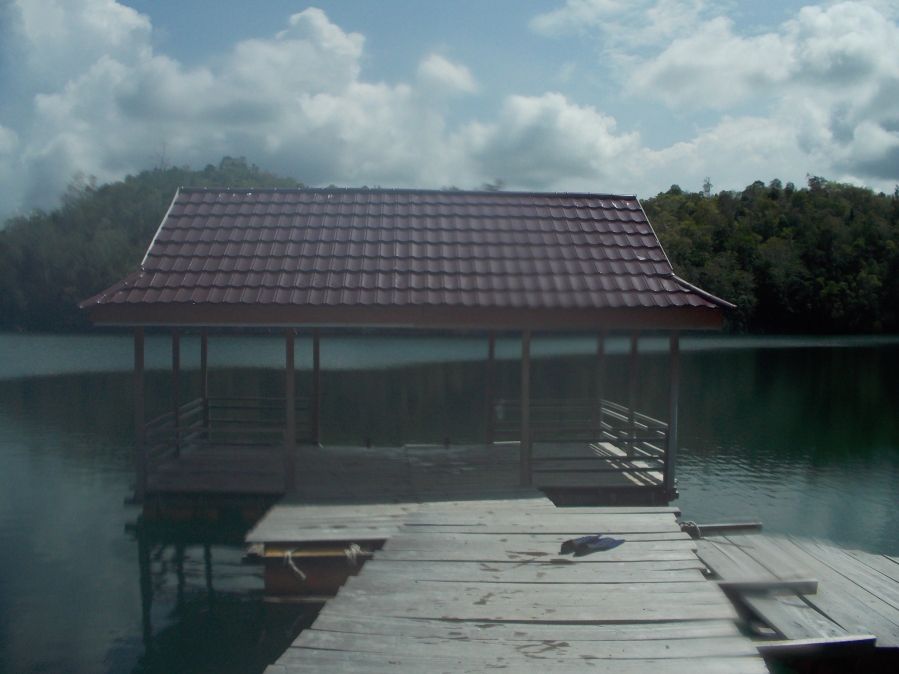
[468, 586]
[809, 592]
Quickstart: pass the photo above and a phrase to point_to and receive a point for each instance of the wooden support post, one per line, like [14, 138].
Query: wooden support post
[599, 387]
[176, 387]
[632, 382]
[140, 423]
[207, 565]
[146, 589]
[525, 445]
[290, 430]
[674, 377]
[316, 388]
[204, 380]
[491, 412]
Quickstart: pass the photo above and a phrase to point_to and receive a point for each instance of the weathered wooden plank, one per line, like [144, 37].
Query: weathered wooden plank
[730, 561]
[853, 608]
[384, 584]
[623, 553]
[332, 619]
[798, 586]
[537, 572]
[791, 617]
[881, 563]
[487, 650]
[511, 517]
[550, 540]
[496, 545]
[820, 647]
[505, 606]
[570, 529]
[336, 662]
[856, 572]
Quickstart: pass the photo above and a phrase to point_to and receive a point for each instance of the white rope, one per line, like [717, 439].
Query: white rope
[351, 553]
[288, 560]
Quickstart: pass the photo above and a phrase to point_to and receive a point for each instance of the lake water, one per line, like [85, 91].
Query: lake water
[800, 434]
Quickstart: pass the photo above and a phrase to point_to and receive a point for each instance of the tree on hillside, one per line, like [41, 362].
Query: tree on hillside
[49, 262]
[821, 259]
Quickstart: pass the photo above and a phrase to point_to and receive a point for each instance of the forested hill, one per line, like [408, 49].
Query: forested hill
[820, 259]
[49, 262]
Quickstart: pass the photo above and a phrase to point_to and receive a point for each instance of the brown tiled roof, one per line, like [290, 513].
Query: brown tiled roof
[290, 256]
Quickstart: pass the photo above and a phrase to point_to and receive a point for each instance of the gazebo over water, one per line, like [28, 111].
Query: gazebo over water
[350, 259]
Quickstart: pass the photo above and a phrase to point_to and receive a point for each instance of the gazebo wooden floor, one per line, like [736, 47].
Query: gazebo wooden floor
[412, 473]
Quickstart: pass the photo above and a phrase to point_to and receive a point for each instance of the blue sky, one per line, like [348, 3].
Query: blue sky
[572, 95]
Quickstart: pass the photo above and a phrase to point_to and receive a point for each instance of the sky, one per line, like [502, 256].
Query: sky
[612, 96]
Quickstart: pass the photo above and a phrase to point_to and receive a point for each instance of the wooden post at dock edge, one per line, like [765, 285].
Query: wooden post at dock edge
[674, 377]
[140, 428]
[525, 444]
[491, 412]
[290, 430]
[204, 379]
[632, 381]
[176, 386]
[315, 411]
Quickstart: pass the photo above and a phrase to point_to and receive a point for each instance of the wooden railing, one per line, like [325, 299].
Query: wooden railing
[223, 420]
[622, 440]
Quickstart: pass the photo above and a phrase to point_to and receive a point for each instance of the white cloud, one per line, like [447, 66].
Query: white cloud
[577, 16]
[103, 101]
[450, 78]
[823, 87]
[547, 142]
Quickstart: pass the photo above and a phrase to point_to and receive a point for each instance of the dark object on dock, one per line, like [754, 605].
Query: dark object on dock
[697, 530]
[599, 545]
[571, 545]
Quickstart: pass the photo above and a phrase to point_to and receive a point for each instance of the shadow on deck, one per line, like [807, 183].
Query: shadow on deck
[570, 473]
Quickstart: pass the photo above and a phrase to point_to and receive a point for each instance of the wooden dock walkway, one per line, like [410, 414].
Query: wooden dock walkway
[468, 586]
[855, 596]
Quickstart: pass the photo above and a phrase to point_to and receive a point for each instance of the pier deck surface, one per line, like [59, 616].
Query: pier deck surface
[408, 473]
[468, 586]
[857, 593]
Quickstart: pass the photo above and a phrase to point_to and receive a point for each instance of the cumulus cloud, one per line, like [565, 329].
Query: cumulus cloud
[547, 142]
[100, 99]
[446, 77]
[824, 85]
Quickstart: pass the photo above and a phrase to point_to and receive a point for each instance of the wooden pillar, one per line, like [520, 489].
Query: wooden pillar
[674, 377]
[315, 411]
[526, 448]
[176, 387]
[140, 425]
[204, 379]
[491, 412]
[599, 387]
[146, 590]
[290, 430]
[207, 566]
[632, 382]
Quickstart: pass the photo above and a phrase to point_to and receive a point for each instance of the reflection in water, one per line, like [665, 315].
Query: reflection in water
[804, 439]
[202, 609]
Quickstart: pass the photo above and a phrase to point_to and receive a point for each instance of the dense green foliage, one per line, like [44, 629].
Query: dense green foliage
[49, 262]
[821, 259]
